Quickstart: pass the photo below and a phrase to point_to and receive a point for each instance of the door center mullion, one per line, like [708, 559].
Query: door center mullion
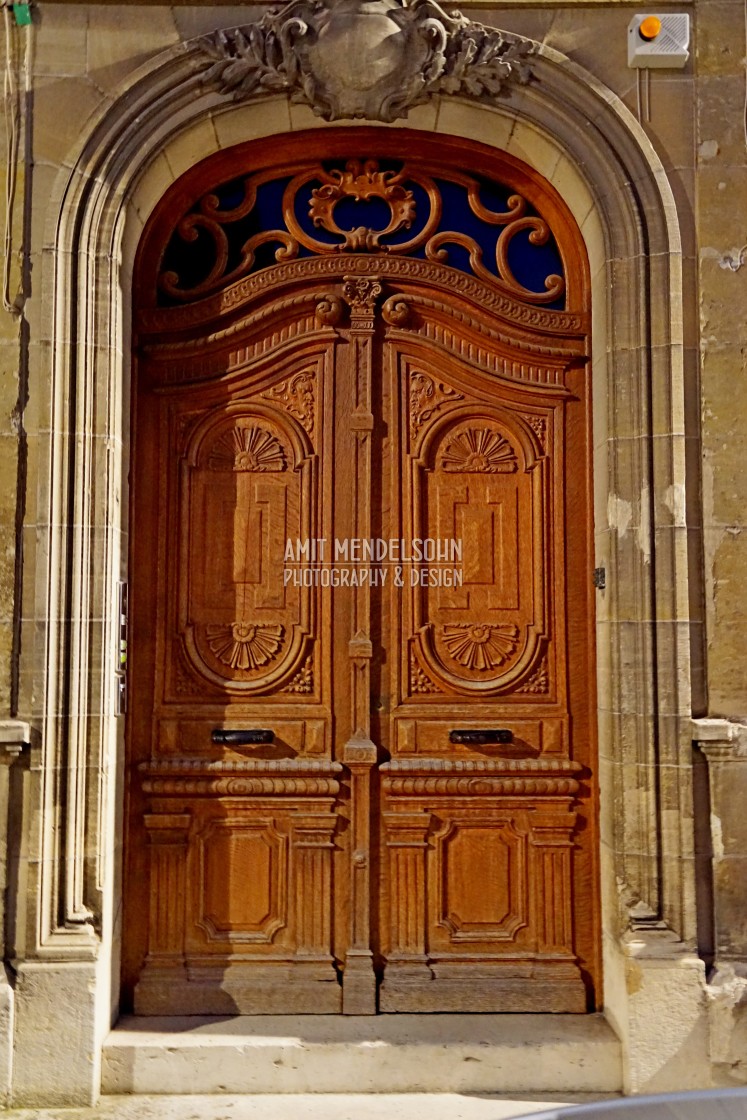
[359, 752]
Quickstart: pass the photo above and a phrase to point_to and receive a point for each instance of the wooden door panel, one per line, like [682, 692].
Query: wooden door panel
[240, 836]
[480, 839]
[477, 474]
[247, 486]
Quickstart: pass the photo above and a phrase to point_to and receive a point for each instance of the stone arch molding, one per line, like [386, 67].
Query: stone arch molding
[471, 81]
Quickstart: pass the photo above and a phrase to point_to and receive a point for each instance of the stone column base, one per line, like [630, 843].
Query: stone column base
[58, 1052]
[668, 1039]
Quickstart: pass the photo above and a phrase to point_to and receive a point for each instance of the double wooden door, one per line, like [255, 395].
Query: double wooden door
[361, 730]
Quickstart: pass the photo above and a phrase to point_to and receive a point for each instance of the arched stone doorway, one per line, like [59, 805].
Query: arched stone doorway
[362, 708]
[576, 133]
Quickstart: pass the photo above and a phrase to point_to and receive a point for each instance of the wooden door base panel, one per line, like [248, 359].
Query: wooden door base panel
[248, 989]
[407, 990]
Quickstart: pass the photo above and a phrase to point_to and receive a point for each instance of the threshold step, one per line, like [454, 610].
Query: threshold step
[361, 1054]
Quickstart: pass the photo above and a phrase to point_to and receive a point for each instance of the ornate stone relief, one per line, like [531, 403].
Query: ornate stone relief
[370, 59]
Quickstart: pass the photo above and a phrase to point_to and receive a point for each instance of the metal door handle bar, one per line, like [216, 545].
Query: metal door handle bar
[482, 738]
[241, 737]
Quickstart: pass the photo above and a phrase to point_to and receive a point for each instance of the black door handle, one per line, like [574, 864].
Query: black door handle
[241, 738]
[481, 738]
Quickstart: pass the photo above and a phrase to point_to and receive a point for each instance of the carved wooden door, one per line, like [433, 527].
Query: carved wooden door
[361, 738]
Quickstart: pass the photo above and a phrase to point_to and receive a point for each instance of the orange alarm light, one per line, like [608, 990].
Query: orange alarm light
[649, 28]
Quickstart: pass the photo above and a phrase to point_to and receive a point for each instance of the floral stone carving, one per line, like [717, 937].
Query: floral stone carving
[370, 59]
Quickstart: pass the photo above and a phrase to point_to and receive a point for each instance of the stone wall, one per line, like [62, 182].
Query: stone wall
[82, 58]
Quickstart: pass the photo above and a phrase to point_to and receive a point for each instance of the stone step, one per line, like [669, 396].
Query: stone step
[360, 1054]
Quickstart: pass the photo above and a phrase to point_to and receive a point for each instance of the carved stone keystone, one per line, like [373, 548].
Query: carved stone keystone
[370, 59]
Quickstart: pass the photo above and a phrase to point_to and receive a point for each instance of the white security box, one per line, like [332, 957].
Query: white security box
[659, 39]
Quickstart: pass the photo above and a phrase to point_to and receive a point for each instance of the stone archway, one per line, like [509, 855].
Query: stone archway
[576, 133]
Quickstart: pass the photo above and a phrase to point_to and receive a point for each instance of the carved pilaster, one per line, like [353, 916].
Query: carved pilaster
[552, 840]
[407, 843]
[359, 981]
[167, 836]
[312, 853]
[361, 294]
[407, 967]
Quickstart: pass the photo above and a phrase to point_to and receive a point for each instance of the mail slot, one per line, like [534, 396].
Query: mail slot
[242, 737]
[481, 738]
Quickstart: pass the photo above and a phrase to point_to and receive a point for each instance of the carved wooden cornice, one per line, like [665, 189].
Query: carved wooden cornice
[370, 59]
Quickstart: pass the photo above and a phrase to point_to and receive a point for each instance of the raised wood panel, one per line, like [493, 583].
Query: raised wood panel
[480, 873]
[476, 478]
[247, 486]
[242, 880]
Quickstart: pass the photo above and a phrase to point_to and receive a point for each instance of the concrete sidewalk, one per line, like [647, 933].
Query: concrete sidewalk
[303, 1106]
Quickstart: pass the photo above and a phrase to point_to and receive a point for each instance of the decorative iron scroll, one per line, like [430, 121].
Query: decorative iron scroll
[363, 206]
[371, 59]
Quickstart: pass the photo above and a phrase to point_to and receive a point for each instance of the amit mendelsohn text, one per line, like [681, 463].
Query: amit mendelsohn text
[342, 562]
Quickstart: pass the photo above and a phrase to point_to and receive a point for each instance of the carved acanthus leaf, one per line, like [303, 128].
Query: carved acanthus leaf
[296, 394]
[538, 682]
[538, 424]
[313, 49]
[361, 293]
[303, 681]
[426, 397]
[420, 682]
